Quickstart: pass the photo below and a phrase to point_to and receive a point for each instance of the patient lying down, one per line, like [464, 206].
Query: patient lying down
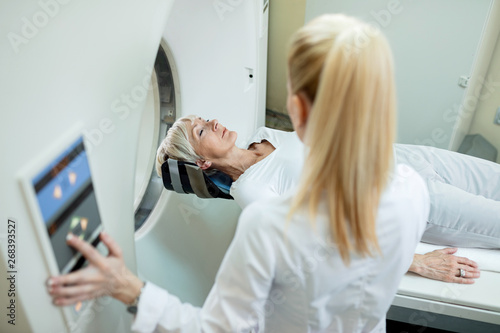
[465, 203]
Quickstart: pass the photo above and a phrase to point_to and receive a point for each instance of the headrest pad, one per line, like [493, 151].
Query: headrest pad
[185, 177]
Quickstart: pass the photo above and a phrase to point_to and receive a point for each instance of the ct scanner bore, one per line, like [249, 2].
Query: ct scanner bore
[157, 117]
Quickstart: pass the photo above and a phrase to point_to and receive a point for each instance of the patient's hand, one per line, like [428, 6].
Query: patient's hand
[442, 265]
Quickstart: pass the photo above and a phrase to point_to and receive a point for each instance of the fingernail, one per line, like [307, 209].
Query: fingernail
[69, 236]
[50, 282]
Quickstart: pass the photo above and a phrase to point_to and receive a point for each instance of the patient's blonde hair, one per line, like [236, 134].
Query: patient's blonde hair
[345, 68]
[176, 144]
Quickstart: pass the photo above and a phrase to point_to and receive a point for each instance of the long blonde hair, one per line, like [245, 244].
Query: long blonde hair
[345, 68]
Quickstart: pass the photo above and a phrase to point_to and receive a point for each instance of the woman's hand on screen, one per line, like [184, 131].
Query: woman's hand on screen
[103, 276]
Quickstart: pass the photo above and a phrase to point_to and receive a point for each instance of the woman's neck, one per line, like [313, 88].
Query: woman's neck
[241, 159]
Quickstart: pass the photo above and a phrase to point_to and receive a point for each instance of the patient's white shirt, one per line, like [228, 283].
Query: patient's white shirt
[289, 278]
[274, 175]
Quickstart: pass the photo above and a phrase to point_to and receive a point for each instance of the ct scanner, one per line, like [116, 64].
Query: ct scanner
[117, 74]
[96, 69]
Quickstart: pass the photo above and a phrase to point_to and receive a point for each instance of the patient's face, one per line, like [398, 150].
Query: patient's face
[210, 139]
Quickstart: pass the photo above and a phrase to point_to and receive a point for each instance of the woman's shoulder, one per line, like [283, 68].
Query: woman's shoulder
[404, 205]
[271, 210]
[408, 190]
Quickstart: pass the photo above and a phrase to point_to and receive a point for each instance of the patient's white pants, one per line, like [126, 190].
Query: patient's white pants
[464, 193]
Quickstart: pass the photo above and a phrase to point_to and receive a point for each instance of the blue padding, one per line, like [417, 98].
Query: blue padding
[222, 180]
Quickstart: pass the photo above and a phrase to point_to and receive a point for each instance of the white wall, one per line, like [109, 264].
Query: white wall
[480, 86]
[288, 16]
[489, 103]
[434, 43]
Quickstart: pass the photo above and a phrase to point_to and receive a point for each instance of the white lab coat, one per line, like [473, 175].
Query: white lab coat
[289, 278]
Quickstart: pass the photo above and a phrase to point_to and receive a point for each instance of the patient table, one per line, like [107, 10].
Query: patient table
[449, 306]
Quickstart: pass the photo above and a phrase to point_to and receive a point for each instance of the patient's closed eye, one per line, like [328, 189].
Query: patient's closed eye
[202, 129]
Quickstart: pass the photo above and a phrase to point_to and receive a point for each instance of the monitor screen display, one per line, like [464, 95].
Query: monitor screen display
[66, 198]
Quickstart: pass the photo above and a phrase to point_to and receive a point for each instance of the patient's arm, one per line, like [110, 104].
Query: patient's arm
[442, 265]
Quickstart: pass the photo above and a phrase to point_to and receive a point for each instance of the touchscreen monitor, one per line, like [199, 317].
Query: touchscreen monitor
[65, 195]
